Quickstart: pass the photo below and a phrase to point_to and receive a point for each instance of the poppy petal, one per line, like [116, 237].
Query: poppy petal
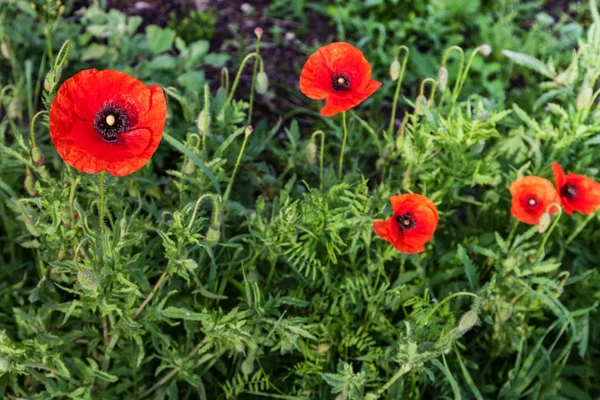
[381, 228]
[537, 190]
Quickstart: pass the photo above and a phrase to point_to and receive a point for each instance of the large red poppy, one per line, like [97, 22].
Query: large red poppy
[577, 193]
[340, 74]
[531, 196]
[412, 225]
[107, 121]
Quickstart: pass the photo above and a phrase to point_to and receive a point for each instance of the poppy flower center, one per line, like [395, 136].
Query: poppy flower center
[111, 121]
[532, 202]
[405, 222]
[341, 81]
[569, 191]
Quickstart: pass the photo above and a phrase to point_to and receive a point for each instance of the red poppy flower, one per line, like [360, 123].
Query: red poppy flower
[531, 196]
[340, 74]
[107, 121]
[577, 193]
[412, 225]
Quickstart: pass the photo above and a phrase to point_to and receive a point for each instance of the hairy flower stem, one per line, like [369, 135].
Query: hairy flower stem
[239, 74]
[345, 138]
[579, 228]
[237, 163]
[441, 303]
[511, 235]
[254, 80]
[460, 69]
[207, 119]
[398, 85]
[462, 78]
[101, 212]
[321, 155]
[152, 293]
[32, 128]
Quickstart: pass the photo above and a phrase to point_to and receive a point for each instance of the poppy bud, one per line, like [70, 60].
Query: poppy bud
[4, 365]
[204, 121]
[5, 49]
[248, 365]
[421, 105]
[311, 152]
[468, 320]
[37, 156]
[258, 31]
[29, 184]
[87, 279]
[262, 83]
[14, 109]
[442, 78]
[122, 227]
[485, 50]
[395, 70]
[249, 130]
[544, 223]
[212, 235]
[189, 167]
[239, 348]
[584, 98]
[322, 348]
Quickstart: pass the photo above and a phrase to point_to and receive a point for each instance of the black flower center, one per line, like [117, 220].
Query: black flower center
[111, 121]
[406, 222]
[532, 202]
[569, 191]
[341, 81]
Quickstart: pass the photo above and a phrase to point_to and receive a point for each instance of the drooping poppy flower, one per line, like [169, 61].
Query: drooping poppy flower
[340, 74]
[107, 121]
[577, 193]
[412, 225]
[531, 196]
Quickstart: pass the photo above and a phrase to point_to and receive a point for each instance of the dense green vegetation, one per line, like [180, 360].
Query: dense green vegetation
[237, 264]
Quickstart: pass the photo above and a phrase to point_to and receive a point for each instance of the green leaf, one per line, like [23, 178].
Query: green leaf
[216, 60]
[529, 62]
[159, 39]
[182, 313]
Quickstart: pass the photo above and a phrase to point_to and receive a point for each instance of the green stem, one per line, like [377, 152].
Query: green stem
[438, 305]
[253, 80]
[152, 293]
[237, 163]
[512, 233]
[345, 138]
[398, 85]
[239, 74]
[321, 154]
[460, 69]
[32, 128]
[207, 118]
[216, 199]
[101, 211]
[541, 248]
[462, 78]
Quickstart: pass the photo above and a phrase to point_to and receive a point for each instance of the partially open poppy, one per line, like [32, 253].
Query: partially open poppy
[339, 73]
[107, 121]
[577, 193]
[412, 225]
[531, 196]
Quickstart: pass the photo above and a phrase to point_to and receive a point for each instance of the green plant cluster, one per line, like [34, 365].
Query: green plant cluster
[237, 265]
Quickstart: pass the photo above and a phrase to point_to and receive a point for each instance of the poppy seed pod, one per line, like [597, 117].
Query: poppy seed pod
[395, 70]
[442, 78]
[262, 83]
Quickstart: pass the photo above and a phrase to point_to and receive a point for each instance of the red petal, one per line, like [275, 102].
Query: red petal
[588, 194]
[382, 229]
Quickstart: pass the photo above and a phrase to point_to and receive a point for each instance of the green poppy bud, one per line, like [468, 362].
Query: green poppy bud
[395, 70]
[544, 223]
[87, 279]
[262, 83]
[29, 184]
[584, 98]
[442, 78]
[311, 152]
[37, 156]
[204, 121]
[421, 105]
[468, 320]
[212, 235]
